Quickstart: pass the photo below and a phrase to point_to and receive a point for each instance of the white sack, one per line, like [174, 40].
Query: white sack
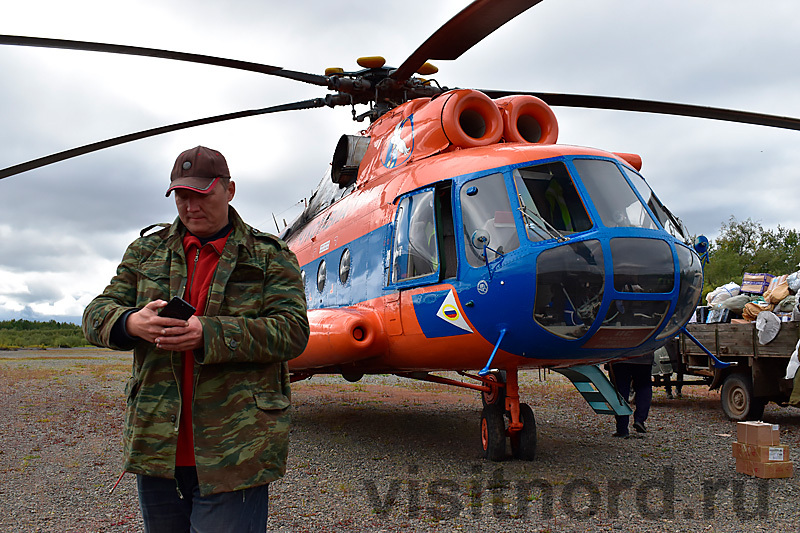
[720, 294]
[791, 368]
[768, 325]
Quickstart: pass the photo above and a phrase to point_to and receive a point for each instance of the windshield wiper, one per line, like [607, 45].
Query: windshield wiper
[540, 222]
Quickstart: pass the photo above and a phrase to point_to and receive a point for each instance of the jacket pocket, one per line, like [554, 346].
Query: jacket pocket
[153, 283]
[271, 401]
[243, 291]
[131, 389]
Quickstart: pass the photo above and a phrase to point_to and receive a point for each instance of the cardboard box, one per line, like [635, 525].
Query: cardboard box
[758, 433]
[762, 454]
[759, 452]
[755, 283]
[774, 470]
[741, 432]
[743, 466]
[779, 469]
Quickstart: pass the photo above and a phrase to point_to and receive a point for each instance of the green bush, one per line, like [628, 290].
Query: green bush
[50, 334]
[748, 247]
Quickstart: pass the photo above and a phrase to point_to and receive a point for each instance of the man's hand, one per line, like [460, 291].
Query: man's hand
[167, 333]
[180, 339]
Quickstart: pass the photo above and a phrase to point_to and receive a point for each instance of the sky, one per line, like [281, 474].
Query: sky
[64, 228]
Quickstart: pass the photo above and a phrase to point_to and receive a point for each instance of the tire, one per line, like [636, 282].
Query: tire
[497, 396]
[523, 443]
[493, 434]
[737, 399]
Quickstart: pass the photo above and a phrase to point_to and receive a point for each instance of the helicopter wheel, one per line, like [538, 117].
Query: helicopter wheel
[523, 443]
[493, 434]
[497, 396]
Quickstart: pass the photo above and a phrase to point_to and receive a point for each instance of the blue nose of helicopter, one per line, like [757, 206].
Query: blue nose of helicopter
[608, 296]
[645, 288]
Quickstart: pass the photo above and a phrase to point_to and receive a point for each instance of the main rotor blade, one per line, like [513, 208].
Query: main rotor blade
[652, 106]
[93, 147]
[462, 32]
[41, 42]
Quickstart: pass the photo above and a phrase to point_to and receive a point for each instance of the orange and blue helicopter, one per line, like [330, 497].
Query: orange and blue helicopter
[455, 234]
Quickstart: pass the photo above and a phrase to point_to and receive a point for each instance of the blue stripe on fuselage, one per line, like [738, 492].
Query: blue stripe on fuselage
[367, 277]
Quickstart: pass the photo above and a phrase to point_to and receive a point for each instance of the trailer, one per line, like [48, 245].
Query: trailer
[756, 374]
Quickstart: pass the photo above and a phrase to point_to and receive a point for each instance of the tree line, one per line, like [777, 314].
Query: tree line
[31, 334]
[746, 246]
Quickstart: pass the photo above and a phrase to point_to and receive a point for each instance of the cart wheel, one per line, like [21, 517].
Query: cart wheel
[493, 434]
[737, 399]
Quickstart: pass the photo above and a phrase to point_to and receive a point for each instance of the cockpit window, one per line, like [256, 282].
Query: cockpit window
[673, 226]
[549, 202]
[613, 198]
[570, 280]
[488, 220]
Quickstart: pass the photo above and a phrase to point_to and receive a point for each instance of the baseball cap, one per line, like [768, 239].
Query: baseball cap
[198, 169]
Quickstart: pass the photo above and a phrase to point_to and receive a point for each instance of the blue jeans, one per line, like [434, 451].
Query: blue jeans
[640, 375]
[176, 506]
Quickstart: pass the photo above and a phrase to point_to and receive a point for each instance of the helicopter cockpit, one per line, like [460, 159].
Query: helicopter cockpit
[578, 215]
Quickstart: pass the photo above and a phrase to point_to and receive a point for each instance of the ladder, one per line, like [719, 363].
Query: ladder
[596, 389]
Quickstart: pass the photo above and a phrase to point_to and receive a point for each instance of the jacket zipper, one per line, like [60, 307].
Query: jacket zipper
[196, 259]
[205, 308]
[174, 375]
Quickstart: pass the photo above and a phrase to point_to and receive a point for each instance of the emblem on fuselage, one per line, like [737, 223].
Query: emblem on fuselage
[401, 144]
[449, 312]
[483, 287]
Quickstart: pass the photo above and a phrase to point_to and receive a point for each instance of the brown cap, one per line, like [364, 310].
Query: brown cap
[198, 169]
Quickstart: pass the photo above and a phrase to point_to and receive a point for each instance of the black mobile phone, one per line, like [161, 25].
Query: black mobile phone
[177, 308]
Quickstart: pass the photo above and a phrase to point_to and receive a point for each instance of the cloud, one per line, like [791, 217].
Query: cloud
[63, 228]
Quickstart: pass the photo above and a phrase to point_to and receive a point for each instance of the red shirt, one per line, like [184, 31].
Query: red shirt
[201, 263]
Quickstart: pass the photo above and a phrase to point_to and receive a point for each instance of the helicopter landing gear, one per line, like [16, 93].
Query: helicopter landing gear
[496, 379]
[493, 433]
[523, 443]
[506, 419]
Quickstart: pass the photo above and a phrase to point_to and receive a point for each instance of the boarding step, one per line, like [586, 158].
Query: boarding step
[596, 389]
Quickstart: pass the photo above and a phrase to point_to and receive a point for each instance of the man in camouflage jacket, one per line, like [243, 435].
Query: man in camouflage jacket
[253, 322]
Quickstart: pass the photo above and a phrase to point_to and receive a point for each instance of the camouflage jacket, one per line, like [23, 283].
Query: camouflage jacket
[255, 321]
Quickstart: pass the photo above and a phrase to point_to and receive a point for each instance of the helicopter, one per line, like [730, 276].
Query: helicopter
[455, 234]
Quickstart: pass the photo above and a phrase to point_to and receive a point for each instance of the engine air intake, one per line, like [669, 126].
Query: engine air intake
[528, 119]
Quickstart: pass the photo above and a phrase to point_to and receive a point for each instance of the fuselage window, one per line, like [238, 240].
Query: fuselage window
[321, 275]
[344, 266]
[488, 220]
[415, 250]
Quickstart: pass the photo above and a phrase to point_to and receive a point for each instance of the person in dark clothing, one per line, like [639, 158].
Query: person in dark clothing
[638, 372]
[677, 368]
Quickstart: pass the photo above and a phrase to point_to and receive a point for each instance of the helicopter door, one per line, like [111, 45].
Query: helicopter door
[415, 249]
[423, 250]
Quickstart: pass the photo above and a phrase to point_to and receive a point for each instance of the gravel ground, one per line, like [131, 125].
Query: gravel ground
[386, 454]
